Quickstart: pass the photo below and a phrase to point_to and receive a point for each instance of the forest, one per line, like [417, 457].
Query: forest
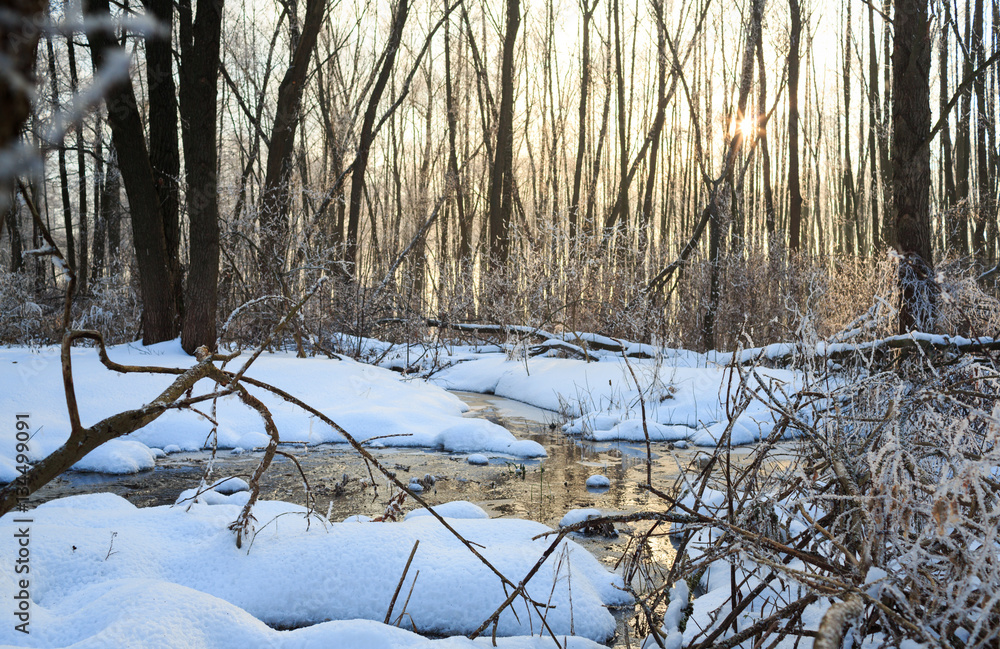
[770, 227]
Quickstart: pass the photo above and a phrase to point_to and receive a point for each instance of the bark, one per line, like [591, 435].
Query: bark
[501, 190]
[164, 154]
[18, 45]
[67, 207]
[765, 154]
[715, 223]
[100, 224]
[464, 226]
[794, 188]
[874, 143]
[581, 148]
[198, 103]
[911, 118]
[367, 136]
[276, 199]
[14, 233]
[81, 169]
[658, 120]
[963, 153]
[159, 316]
[984, 181]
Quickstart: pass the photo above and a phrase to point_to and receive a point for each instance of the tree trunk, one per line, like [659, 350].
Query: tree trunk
[874, 143]
[198, 100]
[658, 120]
[984, 183]
[67, 207]
[464, 226]
[366, 137]
[81, 170]
[911, 119]
[501, 197]
[581, 149]
[276, 199]
[164, 155]
[18, 47]
[963, 152]
[794, 189]
[159, 316]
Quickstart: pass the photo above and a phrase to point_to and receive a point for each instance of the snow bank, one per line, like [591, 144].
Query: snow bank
[685, 398]
[368, 401]
[151, 613]
[99, 550]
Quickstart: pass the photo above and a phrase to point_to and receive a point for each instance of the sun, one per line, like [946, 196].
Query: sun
[747, 126]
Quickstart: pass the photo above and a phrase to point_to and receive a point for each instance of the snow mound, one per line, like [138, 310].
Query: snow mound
[118, 456]
[482, 435]
[313, 570]
[598, 482]
[575, 516]
[454, 509]
[367, 401]
[141, 613]
[477, 459]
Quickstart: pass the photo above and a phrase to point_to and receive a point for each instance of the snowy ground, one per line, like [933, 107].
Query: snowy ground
[684, 393]
[106, 574]
[369, 402]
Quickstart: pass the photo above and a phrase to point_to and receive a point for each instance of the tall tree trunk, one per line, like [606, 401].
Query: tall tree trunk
[729, 188]
[874, 142]
[198, 104]
[100, 224]
[159, 315]
[620, 210]
[794, 188]
[658, 120]
[963, 151]
[949, 196]
[986, 208]
[67, 207]
[111, 209]
[19, 35]
[14, 233]
[164, 154]
[464, 226]
[81, 170]
[581, 148]
[852, 222]
[911, 119]
[765, 154]
[367, 135]
[501, 196]
[276, 199]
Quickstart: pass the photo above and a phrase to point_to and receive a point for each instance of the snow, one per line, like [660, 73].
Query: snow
[598, 482]
[477, 459]
[454, 509]
[683, 393]
[105, 573]
[575, 516]
[367, 401]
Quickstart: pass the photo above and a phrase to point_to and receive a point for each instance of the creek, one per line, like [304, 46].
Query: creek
[542, 490]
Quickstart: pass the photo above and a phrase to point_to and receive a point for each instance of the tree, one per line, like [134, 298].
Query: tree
[159, 314]
[794, 190]
[367, 136]
[911, 172]
[19, 34]
[276, 199]
[501, 196]
[200, 40]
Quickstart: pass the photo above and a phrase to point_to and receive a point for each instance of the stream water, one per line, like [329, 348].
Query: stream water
[542, 490]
